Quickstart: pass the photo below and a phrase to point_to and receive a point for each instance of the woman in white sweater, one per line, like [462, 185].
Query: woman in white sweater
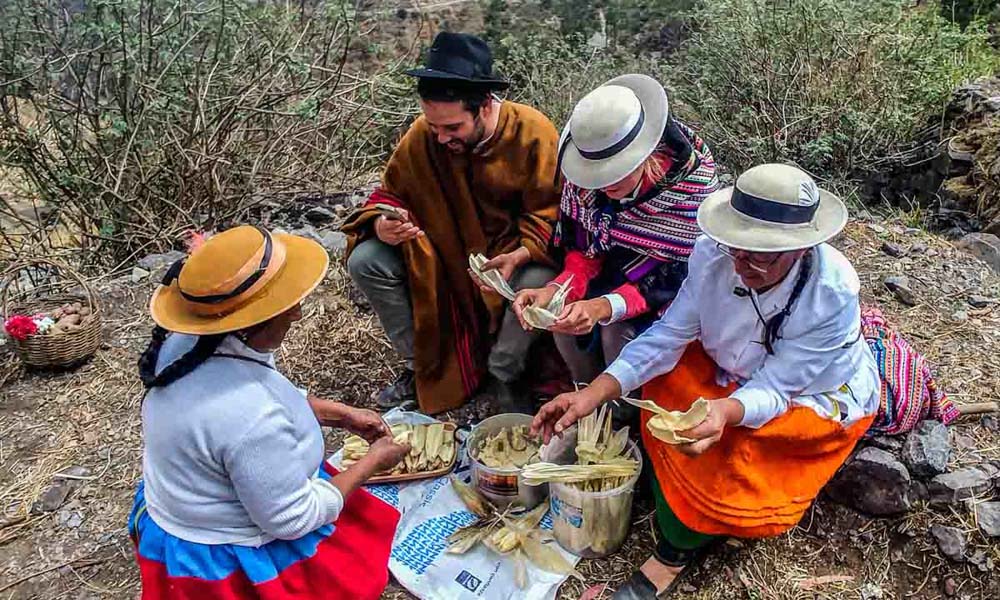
[236, 499]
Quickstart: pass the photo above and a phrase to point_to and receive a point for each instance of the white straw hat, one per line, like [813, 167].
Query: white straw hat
[772, 208]
[612, 130]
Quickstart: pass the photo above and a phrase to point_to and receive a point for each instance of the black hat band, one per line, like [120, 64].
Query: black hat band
[617, 146]
[175, 271]
[773, 212]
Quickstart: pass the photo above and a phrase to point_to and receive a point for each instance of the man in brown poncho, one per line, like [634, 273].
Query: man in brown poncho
[474, 174]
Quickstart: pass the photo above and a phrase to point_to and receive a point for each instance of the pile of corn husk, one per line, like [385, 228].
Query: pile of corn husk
[510, 447]
[432, 447]
[517, 536]
[604, 463]
[665, 424]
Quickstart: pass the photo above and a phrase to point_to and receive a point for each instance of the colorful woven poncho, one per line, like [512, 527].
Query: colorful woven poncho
[909, 391]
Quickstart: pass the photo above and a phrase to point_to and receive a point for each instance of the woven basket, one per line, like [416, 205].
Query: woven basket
[64, 349]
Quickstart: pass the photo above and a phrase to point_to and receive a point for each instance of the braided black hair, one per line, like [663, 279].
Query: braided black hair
[773, 325]
[203, 349]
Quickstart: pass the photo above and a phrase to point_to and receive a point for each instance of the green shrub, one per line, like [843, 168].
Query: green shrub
[834, 85]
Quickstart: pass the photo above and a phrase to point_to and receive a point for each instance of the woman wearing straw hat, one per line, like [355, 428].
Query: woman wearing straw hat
[635, 177]
[236, 499]
[766, 326]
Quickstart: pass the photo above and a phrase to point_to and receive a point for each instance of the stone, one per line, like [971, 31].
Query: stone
[319, 214]
[950, 587]
[984, 246]
[155, 262]
[957, 486]
[900, 286]
[873, 482]
[70, 518]
[58, 491]
[988, 518]
[977, 301]
[951, 541]
[918, 248]
[871, 591]
[990, 422]
[887, 443]
[335, 242]
[960, 316]
[982, 561]
[308, 231]
[894, 250]
[139, 274]
[927, 449]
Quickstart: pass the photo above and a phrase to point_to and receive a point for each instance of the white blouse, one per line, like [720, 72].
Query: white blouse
[820, 359]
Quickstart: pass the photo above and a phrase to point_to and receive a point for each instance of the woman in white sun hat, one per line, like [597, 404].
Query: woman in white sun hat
[767, 327]
[635, 177]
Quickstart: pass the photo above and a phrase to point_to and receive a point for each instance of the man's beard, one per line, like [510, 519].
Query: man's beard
[467, 146]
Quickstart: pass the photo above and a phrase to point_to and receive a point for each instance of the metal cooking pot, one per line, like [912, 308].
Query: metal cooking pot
[502, 487]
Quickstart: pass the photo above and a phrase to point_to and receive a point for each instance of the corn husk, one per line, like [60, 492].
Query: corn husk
[507, 534]
[508, 448]
[543, 472]
[431, 447]
[492, 278]
[543, 317]
[665, 424]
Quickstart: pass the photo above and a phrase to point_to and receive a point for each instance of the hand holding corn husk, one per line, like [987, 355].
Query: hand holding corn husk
[432, 447]
[665, 424]
[696, 429]
[491, 278]
[512, 535]
[544, 317]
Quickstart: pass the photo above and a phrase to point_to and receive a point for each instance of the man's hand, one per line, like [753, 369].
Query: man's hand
[394, 232]
[506, 264]
[565, 409]
[531, 297]
[365, 423]
[580, 317]
[722, 413]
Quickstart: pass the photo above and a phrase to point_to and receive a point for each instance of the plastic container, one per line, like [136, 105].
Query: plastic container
[502, 487]
[589, 524]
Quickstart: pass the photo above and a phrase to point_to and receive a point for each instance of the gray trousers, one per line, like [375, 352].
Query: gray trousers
[378, 269]
[585, 366]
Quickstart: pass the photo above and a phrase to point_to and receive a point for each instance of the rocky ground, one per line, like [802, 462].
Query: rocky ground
[70, 442]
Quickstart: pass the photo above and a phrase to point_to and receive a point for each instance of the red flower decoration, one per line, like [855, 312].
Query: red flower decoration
[20, 327]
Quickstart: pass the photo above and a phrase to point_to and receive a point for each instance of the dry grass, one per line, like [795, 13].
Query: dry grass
[89, 417]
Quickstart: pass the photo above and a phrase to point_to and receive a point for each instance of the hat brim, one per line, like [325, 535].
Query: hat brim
[724, 224]
[424, 73]
[305, 266]
[595, 174]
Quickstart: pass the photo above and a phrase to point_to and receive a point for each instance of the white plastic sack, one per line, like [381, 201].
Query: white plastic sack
[431, 511]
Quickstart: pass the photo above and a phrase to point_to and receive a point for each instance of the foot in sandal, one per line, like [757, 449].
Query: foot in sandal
[660, 573]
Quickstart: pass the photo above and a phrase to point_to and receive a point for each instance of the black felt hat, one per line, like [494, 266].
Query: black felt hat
[460, 57]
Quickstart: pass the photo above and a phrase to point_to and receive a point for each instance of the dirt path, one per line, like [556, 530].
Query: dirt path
[89, 418]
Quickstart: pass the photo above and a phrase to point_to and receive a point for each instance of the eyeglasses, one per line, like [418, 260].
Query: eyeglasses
[758, 261]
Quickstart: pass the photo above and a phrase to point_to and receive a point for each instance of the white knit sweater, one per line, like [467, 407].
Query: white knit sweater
[232, 452]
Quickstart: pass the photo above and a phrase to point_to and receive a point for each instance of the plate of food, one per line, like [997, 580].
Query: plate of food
[433, 450]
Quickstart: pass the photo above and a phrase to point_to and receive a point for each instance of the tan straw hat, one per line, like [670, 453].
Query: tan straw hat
[772, 208]
[238, 278]
[612, 130]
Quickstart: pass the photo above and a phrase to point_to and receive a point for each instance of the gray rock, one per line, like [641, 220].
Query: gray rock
[927, 449]
[70, 518]
[988, 518]
[58, 491]
[155, 262]
[900, 286]
[977, 301]
[990, 422]
[308, 231]
[982, 561]
[888, 443]
[873, 482]
[951, 541]
[984, 246]
[894, 250]
[955, 487]
[918, 248]
[960, 316]
[139, 274]
[335, 242]
[871, 591]
[318, 214]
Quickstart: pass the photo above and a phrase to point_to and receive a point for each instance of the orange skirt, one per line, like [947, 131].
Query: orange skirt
[752, 482]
